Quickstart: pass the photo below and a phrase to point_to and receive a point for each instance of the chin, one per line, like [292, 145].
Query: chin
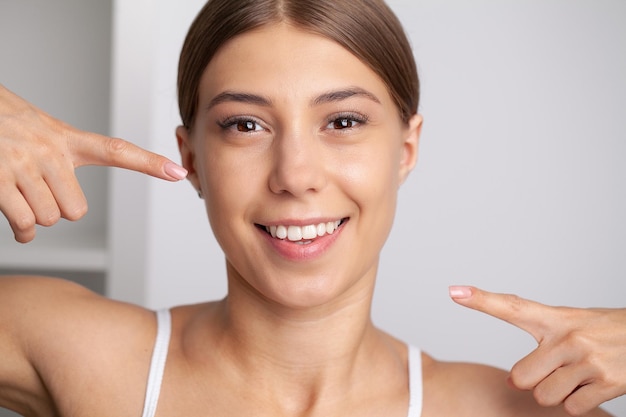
[314, 293]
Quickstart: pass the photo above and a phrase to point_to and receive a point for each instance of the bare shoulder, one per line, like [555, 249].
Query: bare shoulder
[51, 306]
[468, 390]
[65, 343]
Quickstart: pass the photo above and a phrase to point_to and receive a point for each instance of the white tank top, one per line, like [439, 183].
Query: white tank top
[159, 357]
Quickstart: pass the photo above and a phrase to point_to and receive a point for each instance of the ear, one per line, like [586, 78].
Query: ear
[188, 156]
[410, 146]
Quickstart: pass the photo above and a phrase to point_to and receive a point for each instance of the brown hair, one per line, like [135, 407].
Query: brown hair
[367, 28]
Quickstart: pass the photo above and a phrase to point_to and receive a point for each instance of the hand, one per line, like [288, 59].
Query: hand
[38, 155]
[581, 357]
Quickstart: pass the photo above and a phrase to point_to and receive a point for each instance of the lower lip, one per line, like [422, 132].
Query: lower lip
[295, 251]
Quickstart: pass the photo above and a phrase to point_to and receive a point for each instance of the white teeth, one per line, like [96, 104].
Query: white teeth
[281, 232]
[294, 233]
[309, 232]
[298, 233]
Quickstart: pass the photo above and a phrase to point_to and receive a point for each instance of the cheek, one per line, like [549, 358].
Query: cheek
[231, 180]
[371, 181]
[218, 185]
[372, 170]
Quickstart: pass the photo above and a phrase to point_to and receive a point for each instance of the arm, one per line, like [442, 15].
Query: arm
[25, 304]
[65, 348]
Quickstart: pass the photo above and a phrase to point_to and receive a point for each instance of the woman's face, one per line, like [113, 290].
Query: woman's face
[299, 151]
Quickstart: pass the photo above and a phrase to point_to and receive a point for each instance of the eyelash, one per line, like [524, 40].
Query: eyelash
[352, 117]
[234, 122]
[335, 122]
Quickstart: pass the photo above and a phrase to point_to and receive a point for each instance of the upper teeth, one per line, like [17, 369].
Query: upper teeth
[296, 233]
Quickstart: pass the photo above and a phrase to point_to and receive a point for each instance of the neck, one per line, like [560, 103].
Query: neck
[305, 355]
[310, 336]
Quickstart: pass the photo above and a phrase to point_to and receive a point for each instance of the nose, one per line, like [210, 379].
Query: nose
[298, 165]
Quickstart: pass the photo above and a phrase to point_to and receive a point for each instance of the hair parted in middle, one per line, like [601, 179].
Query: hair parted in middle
[367, 28]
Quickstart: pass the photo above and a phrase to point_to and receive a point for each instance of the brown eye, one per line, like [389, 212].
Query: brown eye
[246, 126]
[240, 125]
[344, 123]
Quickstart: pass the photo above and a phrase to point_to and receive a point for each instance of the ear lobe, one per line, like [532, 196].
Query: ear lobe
[188, 156]
[410, 146]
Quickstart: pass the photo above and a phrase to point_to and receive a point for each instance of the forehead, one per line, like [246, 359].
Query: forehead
[281, 60]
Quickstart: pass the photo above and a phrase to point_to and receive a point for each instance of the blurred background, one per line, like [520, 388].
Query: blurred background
[520, 188]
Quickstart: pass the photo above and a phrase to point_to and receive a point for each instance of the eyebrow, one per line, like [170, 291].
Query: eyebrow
[328, 97]
[339, 95]
[227, 96]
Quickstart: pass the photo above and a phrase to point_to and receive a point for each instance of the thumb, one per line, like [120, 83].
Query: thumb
[527, 315]
[94, 149]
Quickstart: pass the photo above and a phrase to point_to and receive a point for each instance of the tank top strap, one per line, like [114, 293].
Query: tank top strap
[415, 382]
[157, 364]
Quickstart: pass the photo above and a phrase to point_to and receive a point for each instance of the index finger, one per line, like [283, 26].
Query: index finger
[530, 316]
[94, 149]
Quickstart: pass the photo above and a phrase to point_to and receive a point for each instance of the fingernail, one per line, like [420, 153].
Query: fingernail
[175, 171]
[459, 292]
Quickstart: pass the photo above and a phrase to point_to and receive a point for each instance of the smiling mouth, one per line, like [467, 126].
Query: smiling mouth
[302, 234]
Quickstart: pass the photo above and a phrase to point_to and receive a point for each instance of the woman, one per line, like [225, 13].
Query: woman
[298, 150]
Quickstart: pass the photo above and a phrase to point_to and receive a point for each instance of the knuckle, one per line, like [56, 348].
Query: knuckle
[7, 183]
[44, 151]
[592, 356]
[604, 373]
[154, 160]
[590, 351]
[578, 339]
[540, 399]
[612, 382]
[17, 158]
[544, 397]
[116, 147]
[23, 224]
[515, 303]
[574, 408]
[76, 212]
[519, 379]
[148, 161]
[49, 218]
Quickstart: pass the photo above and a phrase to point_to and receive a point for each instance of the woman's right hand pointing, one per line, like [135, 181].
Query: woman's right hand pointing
[38, 156]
